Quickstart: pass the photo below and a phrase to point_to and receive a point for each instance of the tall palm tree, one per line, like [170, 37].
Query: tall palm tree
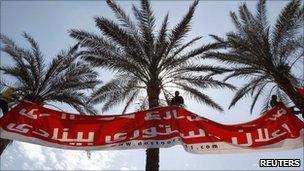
[65, 80]
[146, 61]
[270, 57]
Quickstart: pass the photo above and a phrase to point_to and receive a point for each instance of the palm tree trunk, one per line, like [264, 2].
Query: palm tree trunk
[152, 154]
[289, 89]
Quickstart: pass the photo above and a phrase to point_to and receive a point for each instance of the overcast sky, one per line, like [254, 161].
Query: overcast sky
[48, 22]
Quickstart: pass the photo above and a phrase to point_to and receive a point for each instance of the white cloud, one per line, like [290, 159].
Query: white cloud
[124, 168]
[35, 157]
[131, 168]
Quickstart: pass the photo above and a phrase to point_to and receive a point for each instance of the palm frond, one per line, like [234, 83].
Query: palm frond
[130, 100]
[64, 80]
[182, 28]
[287, 23]
[122, 16]
[203, 82]
[200, 97]
[261, 15]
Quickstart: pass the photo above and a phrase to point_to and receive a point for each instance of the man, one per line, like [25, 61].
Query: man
[273, 101]
[6, 97]
[177, 100]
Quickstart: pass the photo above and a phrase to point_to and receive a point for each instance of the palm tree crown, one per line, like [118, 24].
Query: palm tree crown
[145, 59]
[64, 80]
[270, 57]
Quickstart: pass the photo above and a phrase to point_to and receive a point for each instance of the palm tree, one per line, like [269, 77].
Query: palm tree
[65, 80]
[146, 61]
[270, 57]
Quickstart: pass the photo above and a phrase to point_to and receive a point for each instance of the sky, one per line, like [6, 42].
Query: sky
[49, 21]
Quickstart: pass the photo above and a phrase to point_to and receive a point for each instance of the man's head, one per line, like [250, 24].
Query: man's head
[176, 93]
[274, 97]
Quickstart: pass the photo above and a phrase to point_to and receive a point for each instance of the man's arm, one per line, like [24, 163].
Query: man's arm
[182, 100]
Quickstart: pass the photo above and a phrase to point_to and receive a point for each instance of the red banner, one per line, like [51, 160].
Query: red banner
[277, 129]
[301, 91]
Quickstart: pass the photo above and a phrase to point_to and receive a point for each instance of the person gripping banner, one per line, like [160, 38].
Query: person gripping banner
[6, 97]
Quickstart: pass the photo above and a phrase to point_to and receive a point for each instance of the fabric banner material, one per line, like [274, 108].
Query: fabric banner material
[301, 91]
[162, 127]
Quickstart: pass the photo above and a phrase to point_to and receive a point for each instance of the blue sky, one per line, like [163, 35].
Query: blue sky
[48, 22]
